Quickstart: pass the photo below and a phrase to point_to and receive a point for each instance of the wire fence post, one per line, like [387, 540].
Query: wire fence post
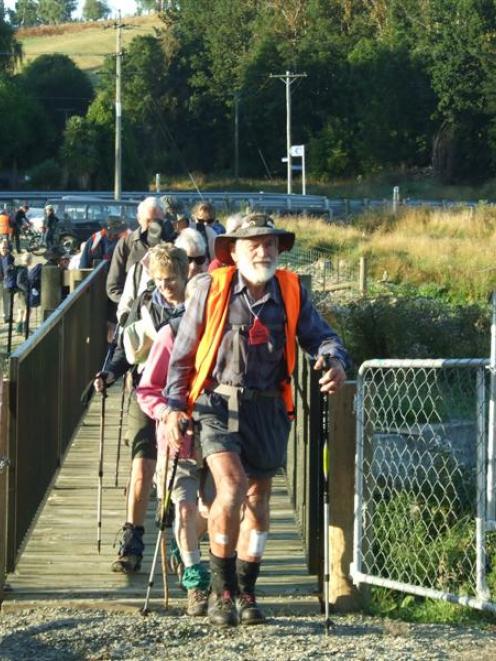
[491, 432]
[363, 276]
[396, 199]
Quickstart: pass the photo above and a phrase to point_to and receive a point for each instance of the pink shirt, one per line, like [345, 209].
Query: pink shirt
[152, 383]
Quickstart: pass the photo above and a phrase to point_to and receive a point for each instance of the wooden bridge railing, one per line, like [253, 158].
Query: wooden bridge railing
[46, 377]
[305, 480]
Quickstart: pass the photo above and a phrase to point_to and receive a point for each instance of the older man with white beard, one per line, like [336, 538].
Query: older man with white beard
[231, 369]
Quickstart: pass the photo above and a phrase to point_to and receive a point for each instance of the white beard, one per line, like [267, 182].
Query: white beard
[256, 274]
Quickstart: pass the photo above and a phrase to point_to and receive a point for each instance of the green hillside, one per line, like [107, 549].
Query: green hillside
[85, 43]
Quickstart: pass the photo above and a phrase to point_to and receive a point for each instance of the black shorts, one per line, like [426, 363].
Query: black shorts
[262, 439]
[140, 432]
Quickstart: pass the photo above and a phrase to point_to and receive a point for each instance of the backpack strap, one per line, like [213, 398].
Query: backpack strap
[137, 274]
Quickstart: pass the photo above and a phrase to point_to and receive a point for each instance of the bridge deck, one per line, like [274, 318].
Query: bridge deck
[60, 560]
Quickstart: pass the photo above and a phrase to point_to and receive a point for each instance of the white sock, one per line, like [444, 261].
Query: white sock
[191, 558]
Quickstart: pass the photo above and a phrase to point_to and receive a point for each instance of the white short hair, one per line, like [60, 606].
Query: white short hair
[147, 204]
[191, 240]
[233, 222]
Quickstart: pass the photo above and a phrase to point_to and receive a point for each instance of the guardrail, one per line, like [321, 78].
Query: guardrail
[232, 201]
[47, 375]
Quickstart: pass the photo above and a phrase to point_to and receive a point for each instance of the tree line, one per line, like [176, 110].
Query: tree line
[30, 13]
[390, 84]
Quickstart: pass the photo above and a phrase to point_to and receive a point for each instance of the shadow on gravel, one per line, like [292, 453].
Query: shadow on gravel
[290, 627]
[24, 644]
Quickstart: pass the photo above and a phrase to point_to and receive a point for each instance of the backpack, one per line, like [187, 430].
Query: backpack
[34, 281]
[139, 332]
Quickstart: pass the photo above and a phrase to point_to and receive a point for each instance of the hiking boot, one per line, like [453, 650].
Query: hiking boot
[248, 609]
[197, 602]
[130, 550]
[222, 610]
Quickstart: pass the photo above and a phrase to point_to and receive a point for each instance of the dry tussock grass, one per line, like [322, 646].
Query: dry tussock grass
[76, 26]
[452, 249]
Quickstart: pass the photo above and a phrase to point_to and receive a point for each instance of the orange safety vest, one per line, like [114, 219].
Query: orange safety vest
[5, 227]
[216, 315]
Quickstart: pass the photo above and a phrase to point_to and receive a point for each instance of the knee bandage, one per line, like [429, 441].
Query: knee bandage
[257, 543]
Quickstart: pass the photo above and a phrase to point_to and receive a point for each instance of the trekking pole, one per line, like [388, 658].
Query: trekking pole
[119, 434]
[324, 444]
[100, 473]
[163, 539]
[166, 500]
[10, 321]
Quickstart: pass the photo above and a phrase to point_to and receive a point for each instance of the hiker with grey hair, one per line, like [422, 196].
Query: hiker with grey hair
[193, 243]
[153, 229]
[231, 369]
[138, 277]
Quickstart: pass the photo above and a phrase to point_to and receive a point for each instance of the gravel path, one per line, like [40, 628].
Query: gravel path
[70, 634]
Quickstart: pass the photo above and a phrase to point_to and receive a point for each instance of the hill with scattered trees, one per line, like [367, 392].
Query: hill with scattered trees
[390, 85]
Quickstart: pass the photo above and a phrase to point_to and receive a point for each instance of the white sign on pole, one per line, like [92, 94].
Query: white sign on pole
[297, 150]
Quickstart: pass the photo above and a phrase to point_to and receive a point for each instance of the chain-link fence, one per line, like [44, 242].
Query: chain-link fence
[422, 490]
[329, 272]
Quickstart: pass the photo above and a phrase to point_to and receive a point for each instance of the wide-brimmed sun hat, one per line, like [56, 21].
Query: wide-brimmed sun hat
[252, 225]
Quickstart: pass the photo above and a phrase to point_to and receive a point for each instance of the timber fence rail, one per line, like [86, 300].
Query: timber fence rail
[47, 376]
[424, 478]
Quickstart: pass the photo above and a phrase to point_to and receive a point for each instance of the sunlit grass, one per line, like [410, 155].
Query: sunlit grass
[452, 251]
[85, 43]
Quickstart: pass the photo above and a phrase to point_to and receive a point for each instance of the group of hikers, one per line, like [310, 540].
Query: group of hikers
[13, 222]
[20, 278]
[206, 327]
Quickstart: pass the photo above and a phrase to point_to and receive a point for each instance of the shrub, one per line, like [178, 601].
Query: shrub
[402, 327]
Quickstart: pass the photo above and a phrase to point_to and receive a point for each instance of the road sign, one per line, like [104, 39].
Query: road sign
[297, 150]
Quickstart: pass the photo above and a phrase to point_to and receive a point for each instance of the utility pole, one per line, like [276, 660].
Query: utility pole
[236, 135]
[118, 110]
[288, 79]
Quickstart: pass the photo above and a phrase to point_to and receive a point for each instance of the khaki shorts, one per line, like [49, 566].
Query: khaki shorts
[193, 480]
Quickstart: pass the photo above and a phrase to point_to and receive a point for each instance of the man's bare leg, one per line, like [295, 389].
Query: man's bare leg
[251, 545]
[231, 485]
[256, 519]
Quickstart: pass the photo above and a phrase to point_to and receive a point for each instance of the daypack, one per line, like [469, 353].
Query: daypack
[139, 332]
[34, 280]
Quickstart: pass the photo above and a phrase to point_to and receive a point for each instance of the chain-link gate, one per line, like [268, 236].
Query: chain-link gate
[424, 495]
